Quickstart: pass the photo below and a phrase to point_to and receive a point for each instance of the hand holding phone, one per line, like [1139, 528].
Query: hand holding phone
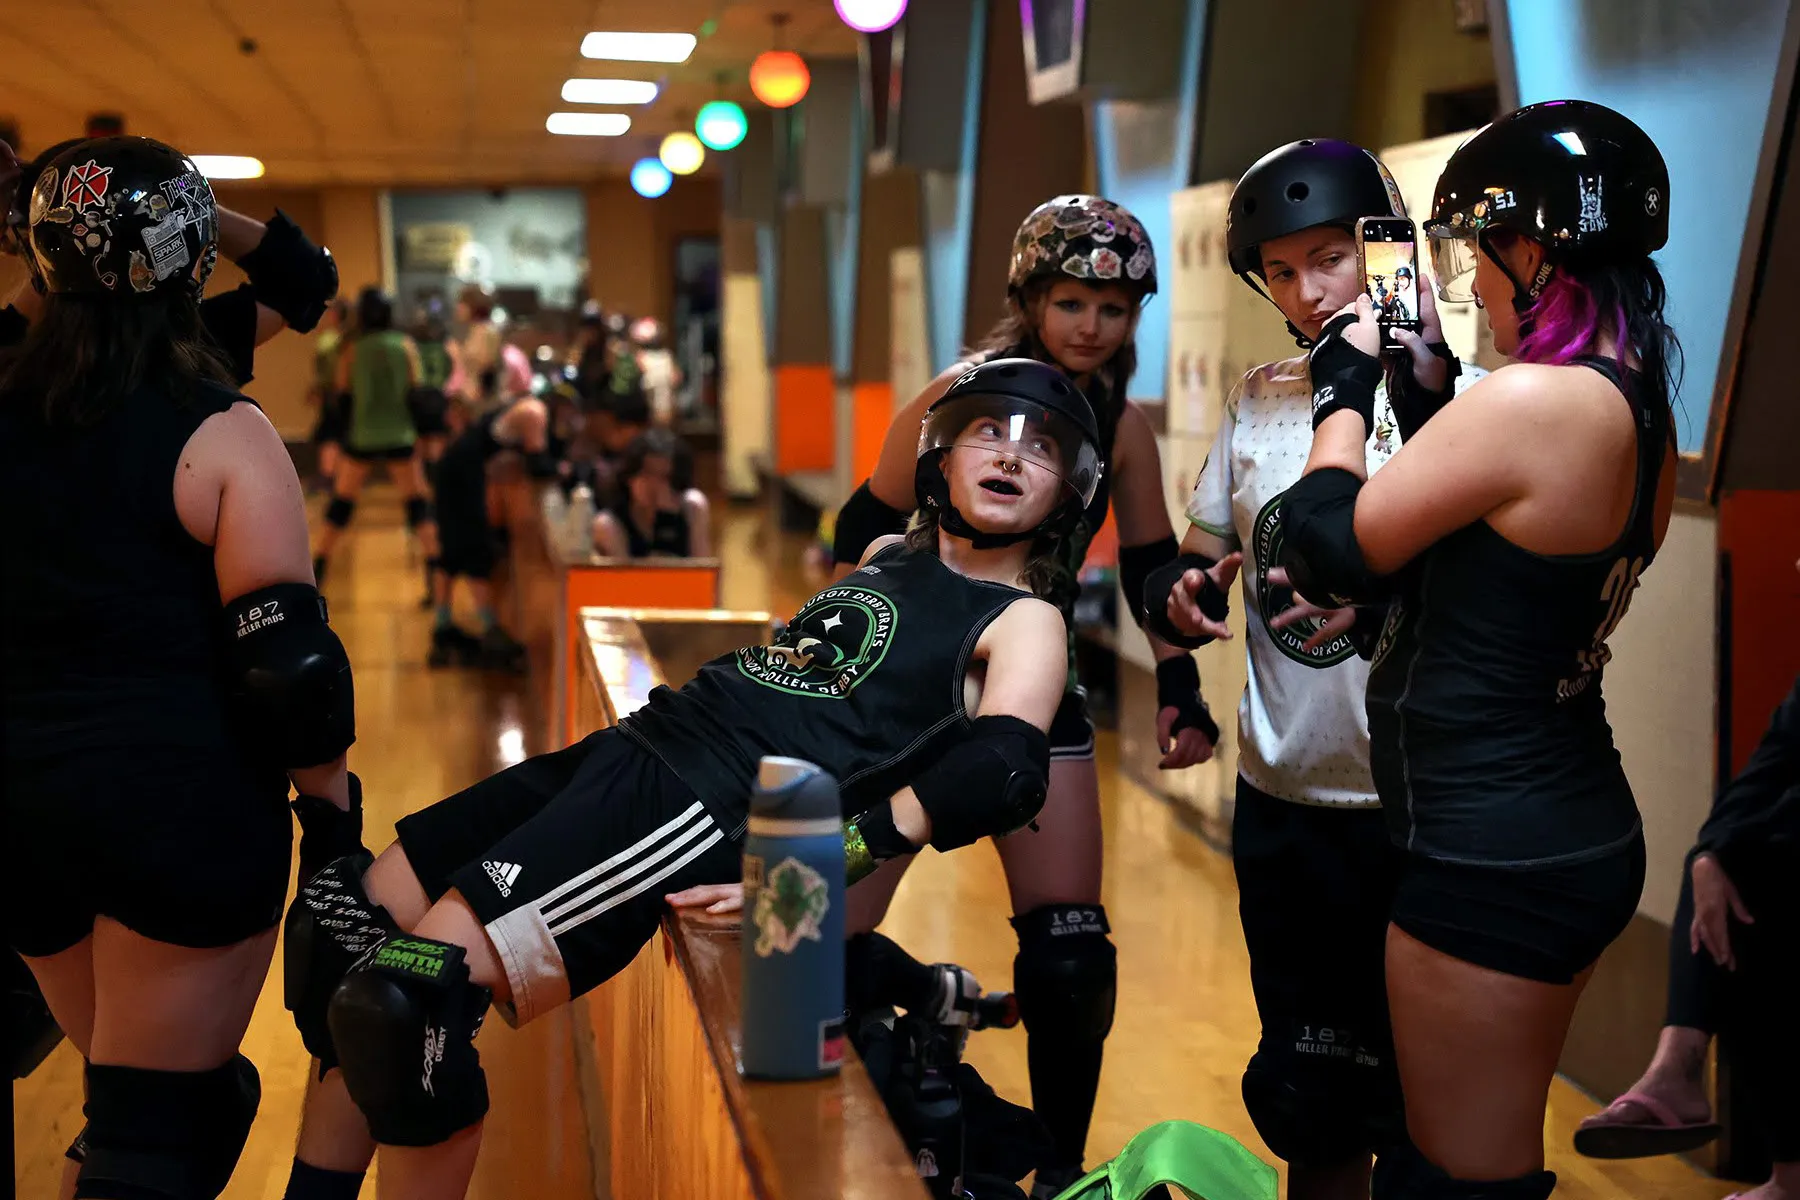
[1388, 250]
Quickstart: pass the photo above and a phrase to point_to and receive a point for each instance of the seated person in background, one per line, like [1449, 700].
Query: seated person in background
[614, 421]
[658, 511]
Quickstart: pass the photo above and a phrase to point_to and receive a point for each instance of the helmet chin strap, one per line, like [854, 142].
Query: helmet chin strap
[952, 522]
[1524, 299]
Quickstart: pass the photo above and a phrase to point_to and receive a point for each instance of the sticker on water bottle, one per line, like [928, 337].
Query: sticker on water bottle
[790, 904]
[831, 1043]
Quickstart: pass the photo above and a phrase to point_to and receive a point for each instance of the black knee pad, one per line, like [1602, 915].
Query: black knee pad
[404, 1023]
[1303, 1116]
[339, 511]
[166, 1133]
[330, 926]
[1402, 1173]
[1066, 974]
[418, 511]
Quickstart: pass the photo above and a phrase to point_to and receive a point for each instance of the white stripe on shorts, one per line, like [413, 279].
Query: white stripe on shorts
[526, 937]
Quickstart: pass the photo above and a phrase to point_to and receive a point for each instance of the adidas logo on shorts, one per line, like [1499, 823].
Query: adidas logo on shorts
[503, 874]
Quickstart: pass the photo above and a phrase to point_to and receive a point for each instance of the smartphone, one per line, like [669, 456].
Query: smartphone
[1388, 249]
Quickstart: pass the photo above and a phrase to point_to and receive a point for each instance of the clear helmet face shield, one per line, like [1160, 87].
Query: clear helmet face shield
[1453, 256]
[1005, 426]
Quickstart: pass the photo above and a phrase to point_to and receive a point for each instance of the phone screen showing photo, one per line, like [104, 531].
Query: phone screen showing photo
[1391, 277]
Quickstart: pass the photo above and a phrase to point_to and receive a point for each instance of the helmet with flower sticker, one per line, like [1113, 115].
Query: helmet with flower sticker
[122, 216]
[1089, 238]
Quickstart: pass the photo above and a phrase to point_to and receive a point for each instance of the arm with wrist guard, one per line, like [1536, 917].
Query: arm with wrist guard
[1413, 403]
[863, 520]
[987, 785]
[291, 677]
[292, 275]
[1323, 558]
[1213, 600]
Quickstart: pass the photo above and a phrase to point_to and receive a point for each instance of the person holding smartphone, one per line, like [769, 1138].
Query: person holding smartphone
[1507, 537]
[1314, 868]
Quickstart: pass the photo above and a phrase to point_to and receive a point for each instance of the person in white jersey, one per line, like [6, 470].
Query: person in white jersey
[1314, 866]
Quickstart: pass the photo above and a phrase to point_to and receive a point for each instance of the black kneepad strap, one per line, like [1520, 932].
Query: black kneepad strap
[404, 1023]
[1402, 1173]
[418, 511]
[166, 1133]
[293, 690]
[990, 784]
[331, 926]
[1213, 600]
[339, 511]
[292, 275]
[1324, 561]
[862, 520]
[1066, 974]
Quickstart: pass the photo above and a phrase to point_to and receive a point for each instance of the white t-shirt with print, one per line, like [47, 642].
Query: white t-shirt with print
[1303, 731]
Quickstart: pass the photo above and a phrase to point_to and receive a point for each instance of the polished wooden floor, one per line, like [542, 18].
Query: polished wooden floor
[1185, 1026]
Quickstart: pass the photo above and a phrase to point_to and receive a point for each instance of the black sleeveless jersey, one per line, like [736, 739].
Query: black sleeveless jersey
[867, 682]
[1488, 736]
[110, 618]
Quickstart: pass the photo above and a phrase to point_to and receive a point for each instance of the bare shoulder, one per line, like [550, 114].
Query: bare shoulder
[227, 439]
[880, 544]
[1134, 438]
[1032, 621]
[1537, 398]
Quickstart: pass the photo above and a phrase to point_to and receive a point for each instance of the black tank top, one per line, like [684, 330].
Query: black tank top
[668, 532]
[112, 624]
[1488, 736]
[867, 682]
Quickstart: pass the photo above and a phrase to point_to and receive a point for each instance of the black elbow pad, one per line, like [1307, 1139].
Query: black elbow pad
[1319, 548]
[291, 274]
[862, 520]
[989, 785]
[1135, 565]
[290, 675]
[1213, 600]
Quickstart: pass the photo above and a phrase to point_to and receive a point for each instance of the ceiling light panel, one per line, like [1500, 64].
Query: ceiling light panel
[639, 47]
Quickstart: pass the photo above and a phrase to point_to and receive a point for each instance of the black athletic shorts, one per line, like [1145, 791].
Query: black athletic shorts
[566, 858]
[465, 539]
[182, 845]
[1543, 923]
[430, 411]
[1072, 729]
[1315, 885]
[379, 454]
[334, 421]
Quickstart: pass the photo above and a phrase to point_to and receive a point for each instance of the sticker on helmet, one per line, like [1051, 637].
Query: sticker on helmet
[42, 196]
[1593, 203]
[85, 186]
[168, 248]
[143, 279]
[1652, 202]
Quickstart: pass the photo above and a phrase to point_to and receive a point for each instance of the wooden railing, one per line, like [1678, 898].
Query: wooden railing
[669, 1116]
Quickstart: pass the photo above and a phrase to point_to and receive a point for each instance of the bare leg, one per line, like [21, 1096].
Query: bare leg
[1677, 1073]
[1060, 861]
[1477, 1050]
[867, 902]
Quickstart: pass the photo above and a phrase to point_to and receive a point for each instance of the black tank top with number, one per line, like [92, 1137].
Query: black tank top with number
[1488, 736]
[866, 681]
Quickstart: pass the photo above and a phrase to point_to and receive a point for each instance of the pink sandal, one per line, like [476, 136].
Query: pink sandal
[1616, 1132]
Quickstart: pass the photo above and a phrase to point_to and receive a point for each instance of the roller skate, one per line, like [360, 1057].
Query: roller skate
[453, 646]
[499, 652]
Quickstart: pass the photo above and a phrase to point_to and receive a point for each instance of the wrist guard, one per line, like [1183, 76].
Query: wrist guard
[1178, 687]
[1343, 377]
[1413, 403]
[1213, 600]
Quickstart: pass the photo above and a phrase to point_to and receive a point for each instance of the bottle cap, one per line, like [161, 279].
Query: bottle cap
[794, 789]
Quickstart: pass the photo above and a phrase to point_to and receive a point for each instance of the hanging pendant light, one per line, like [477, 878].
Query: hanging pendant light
[871, 16]
[682, 152]
[721, 124]
[650, 179]
[778, 77]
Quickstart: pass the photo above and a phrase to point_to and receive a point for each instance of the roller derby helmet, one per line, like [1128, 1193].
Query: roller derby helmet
[1021, 394]
[1083, 237]
[1581, 180]
[1314, 181]
[122, 217]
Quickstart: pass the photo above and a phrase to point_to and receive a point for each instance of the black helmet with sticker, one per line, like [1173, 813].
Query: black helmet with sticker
[1083, 237]
[1582, 180]
[1026, 410]
[126, 217]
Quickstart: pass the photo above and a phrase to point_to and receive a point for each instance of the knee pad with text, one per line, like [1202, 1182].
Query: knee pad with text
[1066, 974]
[404, 1023]
[330, 926]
